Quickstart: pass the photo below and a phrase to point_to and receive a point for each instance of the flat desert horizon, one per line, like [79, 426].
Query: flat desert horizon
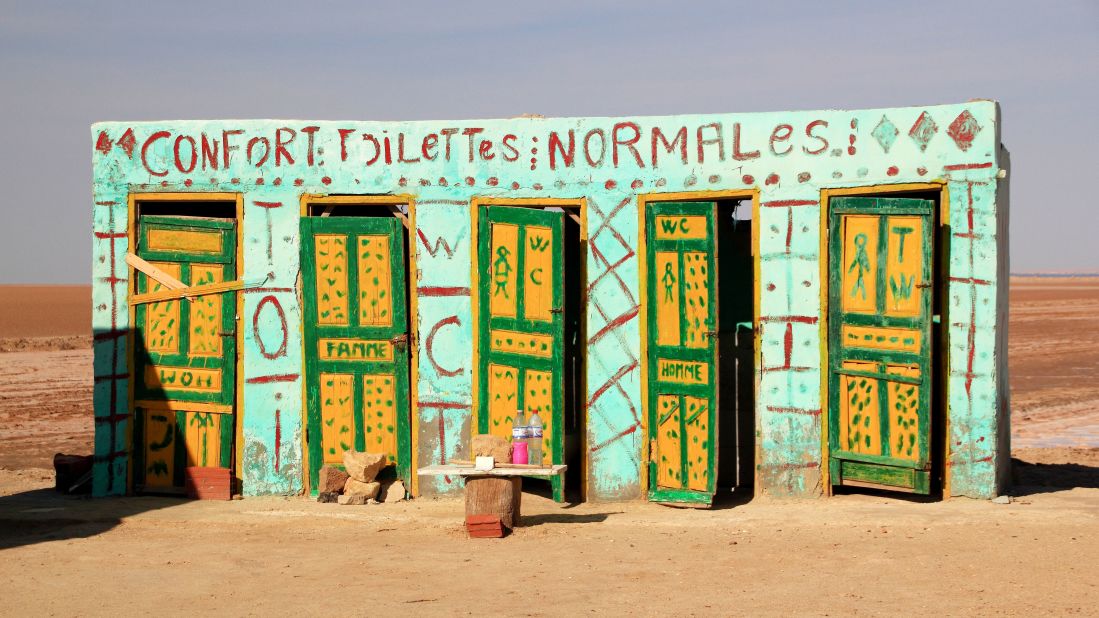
[873, 552]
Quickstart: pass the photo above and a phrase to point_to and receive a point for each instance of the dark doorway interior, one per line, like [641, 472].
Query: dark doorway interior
[736, 349]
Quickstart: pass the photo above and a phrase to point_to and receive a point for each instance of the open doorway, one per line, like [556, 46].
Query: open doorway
[356, 327]
[736, 366]
[183, 349]
[528, 342]
[699, 291]
[885, 402]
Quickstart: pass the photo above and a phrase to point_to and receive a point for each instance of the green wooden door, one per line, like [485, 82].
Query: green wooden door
[681, 304]
[356, 341]
[520, 330]
[879, 338]
[184, 353]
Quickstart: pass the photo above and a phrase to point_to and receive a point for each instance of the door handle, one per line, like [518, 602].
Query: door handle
[399, 341]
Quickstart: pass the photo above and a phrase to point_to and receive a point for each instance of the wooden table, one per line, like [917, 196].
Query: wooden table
[498, 491]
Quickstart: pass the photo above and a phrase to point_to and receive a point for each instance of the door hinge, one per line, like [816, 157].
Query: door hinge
[712, 334]
[231, 333]
[557, 310]
[400, 341]
[924, 285]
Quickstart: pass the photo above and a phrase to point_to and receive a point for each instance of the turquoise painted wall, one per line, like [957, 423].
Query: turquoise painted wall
[788, 156]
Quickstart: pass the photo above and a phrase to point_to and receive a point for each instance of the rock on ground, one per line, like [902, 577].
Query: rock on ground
[352, 500]
[331, 479]
[363, 466]
[355, 487]
[393, 492]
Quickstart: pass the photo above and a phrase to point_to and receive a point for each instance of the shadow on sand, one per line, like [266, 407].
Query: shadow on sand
[43, 515]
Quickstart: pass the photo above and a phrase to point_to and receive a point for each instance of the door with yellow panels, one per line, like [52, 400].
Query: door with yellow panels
[879, 327]
[356, 341]
[184, 353]
[681, 350]
[520, 331]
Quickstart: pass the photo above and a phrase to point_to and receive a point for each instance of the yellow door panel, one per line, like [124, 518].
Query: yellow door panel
[904, 405]
[503, 389]
[904, 266]
[503, 296]
[860, 263]
[697, 425]
[331, 257]
[538, 267]
[539, 387]
[375, 281]
[162, 318]
[380, 415]
[860, 411]
[668, 456]
[667, 298]
[696, 292]
[337, 392]
[205, 316]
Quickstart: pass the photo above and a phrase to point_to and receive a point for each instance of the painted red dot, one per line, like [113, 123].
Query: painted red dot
[442, 182]
[470, 181]
[326, 180]
[235, 181]
[403, 181]
[514, 186]
[164, 183]
[921, 171]
[892, 171]
[277, 182]
[188, 182]
[424, 182]
[213, 181]
[537, 186]
[804, 177]
[259, 181]
[772, 179]
[636, 184]
[610, 184]
[298, 182]
[714, 179]
[851, 139]
[770, 287]
[748, 179]
[851, 150]
[854, 123]
[493, 181]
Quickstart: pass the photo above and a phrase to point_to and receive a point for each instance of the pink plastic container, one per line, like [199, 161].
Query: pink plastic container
[519, 453]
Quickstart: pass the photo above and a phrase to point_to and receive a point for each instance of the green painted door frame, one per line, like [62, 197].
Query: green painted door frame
[356, 341]
[520, 330]
[880, 343]
[681, 351]
[181, 347]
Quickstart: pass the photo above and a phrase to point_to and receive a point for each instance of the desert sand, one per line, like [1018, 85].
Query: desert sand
[868, 553]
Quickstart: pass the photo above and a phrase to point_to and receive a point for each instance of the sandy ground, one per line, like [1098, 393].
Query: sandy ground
[859, 553]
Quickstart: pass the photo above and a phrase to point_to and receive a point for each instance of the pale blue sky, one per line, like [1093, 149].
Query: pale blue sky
[64, 65]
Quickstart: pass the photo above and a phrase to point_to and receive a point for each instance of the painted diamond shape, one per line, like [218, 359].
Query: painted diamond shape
[886, 133]
[963, 130]
[923, 130]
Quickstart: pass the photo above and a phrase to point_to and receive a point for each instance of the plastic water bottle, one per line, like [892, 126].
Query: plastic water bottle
[519, 427]
[534, 442]
[519, 434]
